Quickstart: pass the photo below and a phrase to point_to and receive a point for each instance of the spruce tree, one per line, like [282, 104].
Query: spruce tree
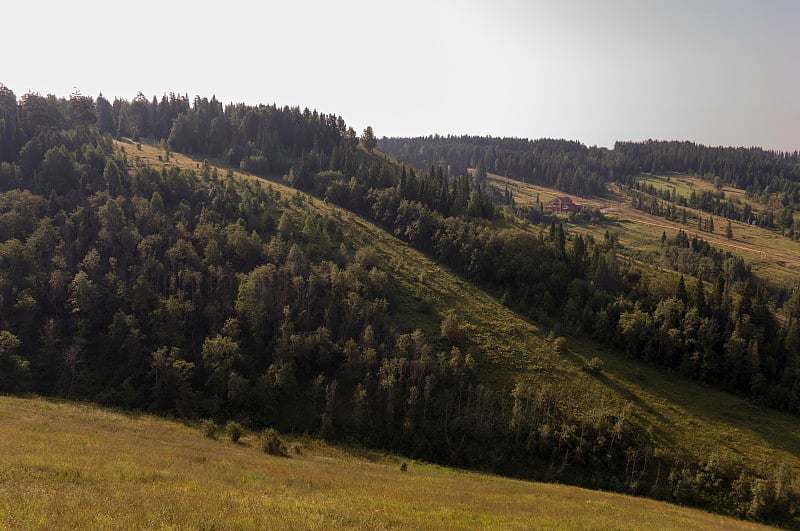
[680, 291]
[368, 139]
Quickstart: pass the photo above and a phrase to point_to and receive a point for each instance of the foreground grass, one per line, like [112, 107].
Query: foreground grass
[77, 466]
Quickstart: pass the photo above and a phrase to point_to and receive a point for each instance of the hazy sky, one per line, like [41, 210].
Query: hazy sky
[719, 72]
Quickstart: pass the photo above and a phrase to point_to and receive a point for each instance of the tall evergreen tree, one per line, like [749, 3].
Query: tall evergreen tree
[368, 139]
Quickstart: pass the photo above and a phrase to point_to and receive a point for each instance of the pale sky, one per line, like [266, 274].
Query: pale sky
[717, 72]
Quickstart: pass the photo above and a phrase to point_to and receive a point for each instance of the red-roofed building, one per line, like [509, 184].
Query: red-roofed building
[563, 204]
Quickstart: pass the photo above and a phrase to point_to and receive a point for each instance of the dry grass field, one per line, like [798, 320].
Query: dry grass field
[77, 466]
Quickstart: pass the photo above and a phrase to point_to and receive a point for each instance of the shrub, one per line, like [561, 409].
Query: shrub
[234, 430]
[367, 258]
[272, 444]
[560, 345]
[209, 428]
[594, 366]
[451, 328]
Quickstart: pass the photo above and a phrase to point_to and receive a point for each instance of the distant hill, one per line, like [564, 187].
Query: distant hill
[563, 164]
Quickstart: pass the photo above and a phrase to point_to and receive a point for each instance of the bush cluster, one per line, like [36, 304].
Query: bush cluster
[272, 444]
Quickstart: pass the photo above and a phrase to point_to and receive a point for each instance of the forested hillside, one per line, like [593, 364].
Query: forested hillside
[771, 180]
[753, 169]
[193, 292]
[722, 333]
[768, 177]
[563, 164]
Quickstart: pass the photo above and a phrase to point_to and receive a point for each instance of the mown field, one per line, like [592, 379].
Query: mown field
[686, 184]
[78, 466]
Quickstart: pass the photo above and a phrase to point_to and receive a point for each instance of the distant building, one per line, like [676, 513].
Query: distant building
[563, 204]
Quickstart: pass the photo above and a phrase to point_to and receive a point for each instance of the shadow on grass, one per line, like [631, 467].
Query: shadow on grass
[708, 405]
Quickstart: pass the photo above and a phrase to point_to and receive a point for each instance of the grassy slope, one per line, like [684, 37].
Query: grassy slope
[679, 413]
[77, 466]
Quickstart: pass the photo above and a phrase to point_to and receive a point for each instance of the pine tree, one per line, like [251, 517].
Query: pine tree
[8, 101]
[700, 298]
[105, 116]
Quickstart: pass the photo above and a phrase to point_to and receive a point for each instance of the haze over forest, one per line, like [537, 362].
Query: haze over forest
[716, 73]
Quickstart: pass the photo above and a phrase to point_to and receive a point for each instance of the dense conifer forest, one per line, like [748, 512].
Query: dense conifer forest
[564, 164]
[193, 293]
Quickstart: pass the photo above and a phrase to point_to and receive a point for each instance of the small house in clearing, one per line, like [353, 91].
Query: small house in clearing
[562, 205]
